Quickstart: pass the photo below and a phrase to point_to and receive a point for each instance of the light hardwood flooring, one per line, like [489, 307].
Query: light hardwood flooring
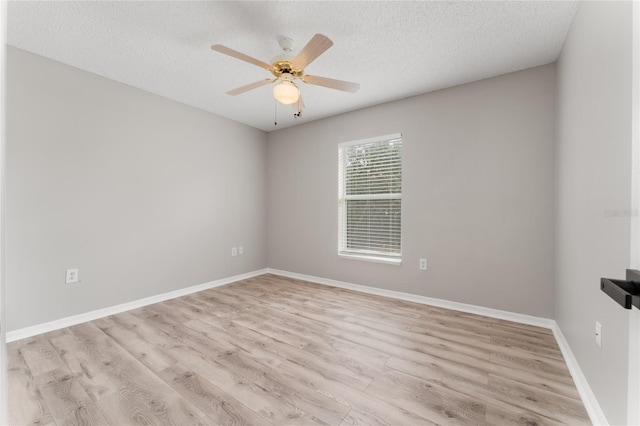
[277, 351]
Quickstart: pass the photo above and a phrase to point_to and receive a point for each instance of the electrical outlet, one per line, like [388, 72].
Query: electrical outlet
[71, 276]
[234, 251]
[240, 250]
[598, 334]
[423, 264]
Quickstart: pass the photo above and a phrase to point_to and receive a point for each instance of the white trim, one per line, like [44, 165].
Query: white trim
[635, 142]
[371, 258]
[456, 306]
[586, 394]
[371, 140]
[101, 313]
[633, 407]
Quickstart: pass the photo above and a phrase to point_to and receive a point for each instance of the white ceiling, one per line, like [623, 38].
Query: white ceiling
[394, 49]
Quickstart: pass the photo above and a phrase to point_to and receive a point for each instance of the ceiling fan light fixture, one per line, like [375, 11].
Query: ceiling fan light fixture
[286, 92]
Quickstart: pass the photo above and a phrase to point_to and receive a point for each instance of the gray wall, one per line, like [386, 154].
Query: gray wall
[142, 194]
[478, 191]
[593, 176]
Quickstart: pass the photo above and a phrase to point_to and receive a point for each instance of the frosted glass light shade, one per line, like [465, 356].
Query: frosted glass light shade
[286, 92]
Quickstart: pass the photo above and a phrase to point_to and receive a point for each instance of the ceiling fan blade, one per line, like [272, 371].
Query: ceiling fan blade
[331, 83]
[239, 55]
[316, 47]
[251, 86]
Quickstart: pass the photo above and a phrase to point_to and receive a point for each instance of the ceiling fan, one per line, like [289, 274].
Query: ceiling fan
[287, 68]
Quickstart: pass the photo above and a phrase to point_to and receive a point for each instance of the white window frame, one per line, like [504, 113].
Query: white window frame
[393, 259]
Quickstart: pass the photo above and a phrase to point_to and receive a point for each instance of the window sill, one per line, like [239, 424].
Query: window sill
[368, 258]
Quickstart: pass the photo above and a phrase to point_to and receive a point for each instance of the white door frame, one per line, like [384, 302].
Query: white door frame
[633, 404]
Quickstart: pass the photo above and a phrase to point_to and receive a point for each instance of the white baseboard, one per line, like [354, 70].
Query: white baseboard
[589, 400]
[441, 303]
[586, 394]
[105, 312]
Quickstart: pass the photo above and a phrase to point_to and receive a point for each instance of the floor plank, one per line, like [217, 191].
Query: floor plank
[26, 404]
[71, 405]
[271, 350]
[220, 407]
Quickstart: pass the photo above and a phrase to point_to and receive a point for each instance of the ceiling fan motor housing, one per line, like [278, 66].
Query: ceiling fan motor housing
[282, 65]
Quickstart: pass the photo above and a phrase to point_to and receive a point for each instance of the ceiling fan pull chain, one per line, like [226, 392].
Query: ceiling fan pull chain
[275, 113]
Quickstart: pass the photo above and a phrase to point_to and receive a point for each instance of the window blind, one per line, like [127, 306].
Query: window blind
[370, 197]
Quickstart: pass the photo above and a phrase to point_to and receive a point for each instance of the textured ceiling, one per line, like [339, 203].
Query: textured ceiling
[394, 49]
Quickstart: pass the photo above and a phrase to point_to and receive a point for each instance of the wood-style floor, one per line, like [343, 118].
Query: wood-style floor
[276, 351]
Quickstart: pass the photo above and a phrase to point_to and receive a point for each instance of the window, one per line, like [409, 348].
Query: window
[370, 199]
